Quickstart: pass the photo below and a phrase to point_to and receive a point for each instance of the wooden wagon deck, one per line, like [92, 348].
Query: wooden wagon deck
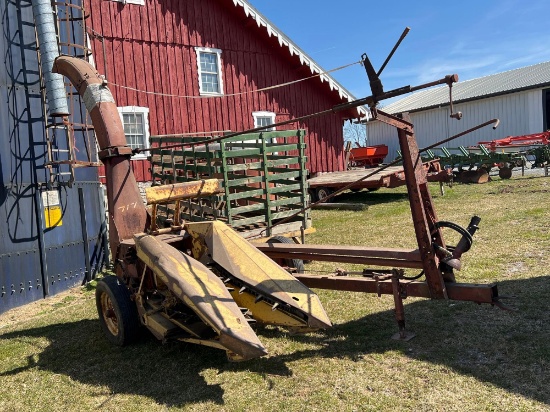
[391, 177]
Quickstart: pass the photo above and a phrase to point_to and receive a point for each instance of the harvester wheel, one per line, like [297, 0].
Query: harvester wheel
[117, 313]
[298, 264]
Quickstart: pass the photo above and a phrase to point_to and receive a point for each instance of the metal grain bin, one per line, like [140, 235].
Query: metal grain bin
[52, 219]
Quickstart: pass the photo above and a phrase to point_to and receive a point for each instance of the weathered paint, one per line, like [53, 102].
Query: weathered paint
[246, 263]
[182, 191]
[152, 48]
[128, 214]
[202, 291]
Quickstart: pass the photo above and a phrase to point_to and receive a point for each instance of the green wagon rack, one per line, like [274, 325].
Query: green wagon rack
[263, 175]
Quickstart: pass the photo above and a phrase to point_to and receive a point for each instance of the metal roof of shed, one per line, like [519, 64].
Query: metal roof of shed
[524, 78]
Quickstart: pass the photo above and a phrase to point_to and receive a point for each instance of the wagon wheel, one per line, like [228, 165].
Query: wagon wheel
[322, 192]
[487, 167]
[505, 172]
[117, 313]
[298, 264]
[312, 196]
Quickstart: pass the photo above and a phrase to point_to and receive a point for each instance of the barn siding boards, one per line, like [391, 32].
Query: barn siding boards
[152, 48]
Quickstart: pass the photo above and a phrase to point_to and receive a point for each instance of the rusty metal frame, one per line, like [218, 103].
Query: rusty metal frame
[421, 204]
[440, 279]
[487, 293]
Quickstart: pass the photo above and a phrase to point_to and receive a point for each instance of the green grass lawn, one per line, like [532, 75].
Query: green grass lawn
[465, 357]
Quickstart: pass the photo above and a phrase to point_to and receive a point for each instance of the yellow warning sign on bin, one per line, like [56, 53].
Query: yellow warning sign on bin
[52, 209]
[52, 216]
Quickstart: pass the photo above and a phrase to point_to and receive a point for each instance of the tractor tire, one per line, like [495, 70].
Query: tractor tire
[298, 264]
[118, 314]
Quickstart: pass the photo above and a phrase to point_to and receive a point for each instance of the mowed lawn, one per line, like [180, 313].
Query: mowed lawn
[465, 357]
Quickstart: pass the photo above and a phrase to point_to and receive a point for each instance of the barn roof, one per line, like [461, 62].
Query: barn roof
[511, 81]
[294, 50]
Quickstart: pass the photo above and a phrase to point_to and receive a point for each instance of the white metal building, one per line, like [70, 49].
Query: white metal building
[520, 98]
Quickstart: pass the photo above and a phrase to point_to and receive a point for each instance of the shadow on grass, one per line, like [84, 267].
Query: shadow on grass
[371, 198]
[510, 350]
[169, 374]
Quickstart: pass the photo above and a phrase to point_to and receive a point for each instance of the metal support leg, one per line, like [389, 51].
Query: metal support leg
[399, 308]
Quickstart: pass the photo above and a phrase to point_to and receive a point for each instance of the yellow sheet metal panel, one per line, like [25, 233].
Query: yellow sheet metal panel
[248, 264]
[202, 291]
[182, 191]
[263, 312]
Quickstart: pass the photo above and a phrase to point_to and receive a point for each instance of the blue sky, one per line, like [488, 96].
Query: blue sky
[470, 38]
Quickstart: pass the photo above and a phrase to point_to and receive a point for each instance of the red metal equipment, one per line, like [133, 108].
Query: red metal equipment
[436, 261]
[194, 282]
[368, 156]
[518, 142]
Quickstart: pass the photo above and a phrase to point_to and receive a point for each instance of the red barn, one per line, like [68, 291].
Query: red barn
[207, 65]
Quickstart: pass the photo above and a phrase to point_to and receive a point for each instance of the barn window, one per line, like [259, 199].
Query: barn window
[210, 75]
[136, 127]
[262, 119]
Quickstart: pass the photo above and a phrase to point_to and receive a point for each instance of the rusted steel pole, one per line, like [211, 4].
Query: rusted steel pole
[127, 212]
[423, 214]
[456, 291]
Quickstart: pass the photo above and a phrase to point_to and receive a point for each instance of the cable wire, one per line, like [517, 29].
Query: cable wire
[235, 94]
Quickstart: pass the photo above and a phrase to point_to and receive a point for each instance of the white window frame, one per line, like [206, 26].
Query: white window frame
[257, 115]
[271, 115]
[218, 53]
[138, 2]
[141, 110]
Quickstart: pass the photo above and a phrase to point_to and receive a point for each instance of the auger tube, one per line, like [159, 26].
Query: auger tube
[127, 213]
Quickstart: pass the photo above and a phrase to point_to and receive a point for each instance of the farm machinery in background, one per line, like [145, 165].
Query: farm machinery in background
[357, 159]
[201, 282]
[366, 156]
[474, 163]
